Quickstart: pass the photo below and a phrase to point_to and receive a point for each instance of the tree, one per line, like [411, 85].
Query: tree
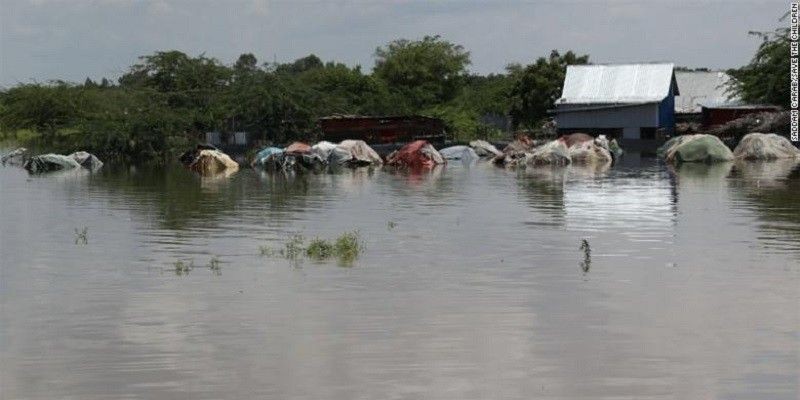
[425, 72]
[45, 108]
[537, 86]
[765, 80]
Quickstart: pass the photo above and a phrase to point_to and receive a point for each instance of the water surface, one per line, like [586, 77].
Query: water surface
[472, 284]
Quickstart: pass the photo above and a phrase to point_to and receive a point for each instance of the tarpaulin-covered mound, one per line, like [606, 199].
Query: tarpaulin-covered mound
[211, 162]
[323, 149]
[590, 152]
[87, 160]
[760, 146]
[270, 157]
[463, 153]
[484, 149]
[417, 154]
[57, 162]
[554, 152]
[299, 155]
[189, 156]
[354, 153]
[516, 152]
[575, 138]
[696, 148]
[15, 157]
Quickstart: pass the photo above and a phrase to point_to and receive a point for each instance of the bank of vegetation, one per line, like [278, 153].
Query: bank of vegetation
[162, 104]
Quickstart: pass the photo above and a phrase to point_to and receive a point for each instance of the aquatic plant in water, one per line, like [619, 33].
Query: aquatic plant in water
[346, 248]
[586, 264]
[183, 267]
[214, 265]
[81, 236]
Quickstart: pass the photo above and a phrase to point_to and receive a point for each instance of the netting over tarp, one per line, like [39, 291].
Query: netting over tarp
[696, 148]
[760, 146]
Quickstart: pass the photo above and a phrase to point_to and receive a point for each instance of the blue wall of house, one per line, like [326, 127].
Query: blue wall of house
[666, 112]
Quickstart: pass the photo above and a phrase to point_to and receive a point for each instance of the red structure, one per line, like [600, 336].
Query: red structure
[713, 116]
[382, 130]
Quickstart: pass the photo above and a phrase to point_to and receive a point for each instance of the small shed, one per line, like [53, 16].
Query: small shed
[701, 88]
[626, 101]
[382, 129]
[715, 115]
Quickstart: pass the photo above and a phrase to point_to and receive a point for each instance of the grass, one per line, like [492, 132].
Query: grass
[586, 264]
[319, 249]
[214, 265]
[81, 236]
[183, 267]
[346, 248]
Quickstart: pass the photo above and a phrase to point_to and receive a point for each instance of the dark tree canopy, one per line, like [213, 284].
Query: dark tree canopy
[538, 86]
[765, 80]
[425, 72]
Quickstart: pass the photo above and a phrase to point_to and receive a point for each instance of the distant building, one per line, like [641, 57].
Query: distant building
[701, 88]
[714, 115]
[627, 101]
[382, 130]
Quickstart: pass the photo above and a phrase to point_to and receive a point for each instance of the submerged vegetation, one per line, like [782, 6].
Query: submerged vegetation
[82, 236]
[345, 249]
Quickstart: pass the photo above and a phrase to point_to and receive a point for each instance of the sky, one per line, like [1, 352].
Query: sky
[75, 39]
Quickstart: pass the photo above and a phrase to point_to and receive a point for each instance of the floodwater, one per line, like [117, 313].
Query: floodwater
[472, 285]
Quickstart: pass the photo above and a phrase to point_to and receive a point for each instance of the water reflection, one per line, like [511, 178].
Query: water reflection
[688, 289]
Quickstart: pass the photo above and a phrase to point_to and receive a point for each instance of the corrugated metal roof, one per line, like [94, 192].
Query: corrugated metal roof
[702, 88]
[619, 83]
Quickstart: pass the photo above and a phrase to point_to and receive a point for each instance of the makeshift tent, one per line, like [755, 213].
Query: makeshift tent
[698, 148]
[417, 154]
[211, 162]
[760, 146]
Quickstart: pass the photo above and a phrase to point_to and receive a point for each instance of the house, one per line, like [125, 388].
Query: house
[623, 101]
[701, 88]
[382, 129]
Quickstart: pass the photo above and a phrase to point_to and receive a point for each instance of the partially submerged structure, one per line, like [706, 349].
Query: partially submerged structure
[701, 88]
[382, 129]
[621, 101]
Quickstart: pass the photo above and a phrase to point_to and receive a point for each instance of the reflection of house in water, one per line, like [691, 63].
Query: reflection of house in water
[624, 101]
[382, 129]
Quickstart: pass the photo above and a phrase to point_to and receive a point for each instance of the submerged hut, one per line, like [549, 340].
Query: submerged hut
[621, 101]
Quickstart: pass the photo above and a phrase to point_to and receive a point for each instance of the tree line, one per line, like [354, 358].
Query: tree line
[162, 104]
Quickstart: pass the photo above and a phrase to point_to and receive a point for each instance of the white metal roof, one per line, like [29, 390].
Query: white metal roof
[702, 88]
[618, 83]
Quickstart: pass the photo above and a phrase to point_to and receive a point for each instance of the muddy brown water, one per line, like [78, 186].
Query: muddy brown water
[472, 285]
